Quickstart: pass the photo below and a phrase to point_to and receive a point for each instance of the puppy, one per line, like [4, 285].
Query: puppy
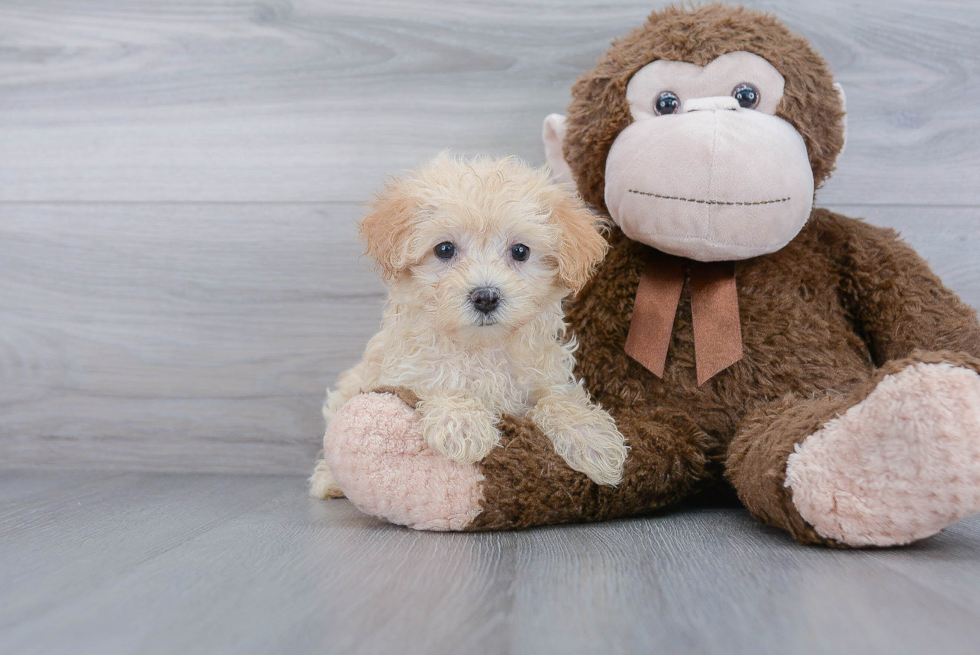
[478, 257]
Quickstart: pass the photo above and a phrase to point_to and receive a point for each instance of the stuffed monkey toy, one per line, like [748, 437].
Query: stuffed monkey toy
[741, 339]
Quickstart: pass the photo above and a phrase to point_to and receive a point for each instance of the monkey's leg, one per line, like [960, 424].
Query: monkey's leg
[380, 459]
[892, 462]
[527, 484]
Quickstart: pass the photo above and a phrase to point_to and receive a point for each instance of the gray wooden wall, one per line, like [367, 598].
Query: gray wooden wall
[179, 182]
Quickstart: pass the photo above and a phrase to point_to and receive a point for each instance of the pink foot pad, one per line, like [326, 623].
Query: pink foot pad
[897, 467]
[377, 454]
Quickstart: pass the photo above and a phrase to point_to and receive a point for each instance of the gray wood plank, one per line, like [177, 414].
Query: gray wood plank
[946, 564]
[292, 574]
[714, 581]
[22, 488]
[200, 337]
[237, 101]
[61, 547]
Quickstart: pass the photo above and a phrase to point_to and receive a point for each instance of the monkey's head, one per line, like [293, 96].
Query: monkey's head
[703, 133]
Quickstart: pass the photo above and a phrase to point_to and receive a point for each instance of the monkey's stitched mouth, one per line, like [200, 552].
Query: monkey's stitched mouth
[708, 202]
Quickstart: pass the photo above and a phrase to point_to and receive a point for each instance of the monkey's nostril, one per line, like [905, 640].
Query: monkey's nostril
[485, 299]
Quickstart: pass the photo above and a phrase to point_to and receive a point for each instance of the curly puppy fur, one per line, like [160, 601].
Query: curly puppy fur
[466, 366]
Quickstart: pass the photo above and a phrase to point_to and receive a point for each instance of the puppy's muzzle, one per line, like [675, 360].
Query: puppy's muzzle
[485, 299]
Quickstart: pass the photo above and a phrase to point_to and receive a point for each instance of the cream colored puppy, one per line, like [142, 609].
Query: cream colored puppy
[478, 256]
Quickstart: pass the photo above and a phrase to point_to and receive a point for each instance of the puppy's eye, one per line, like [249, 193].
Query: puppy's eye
[445, 250]
[520, 252]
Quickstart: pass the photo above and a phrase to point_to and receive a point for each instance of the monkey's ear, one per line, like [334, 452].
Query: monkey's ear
[582, 243]
[553, 135]
[843, 108]
[386, 230]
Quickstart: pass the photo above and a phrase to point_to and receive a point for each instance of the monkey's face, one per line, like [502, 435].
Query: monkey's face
[706, 170]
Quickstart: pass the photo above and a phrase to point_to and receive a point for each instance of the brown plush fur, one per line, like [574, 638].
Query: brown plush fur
[599, 110]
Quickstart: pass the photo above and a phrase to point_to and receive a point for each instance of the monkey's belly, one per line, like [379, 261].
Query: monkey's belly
[719, 405]
[796, 335]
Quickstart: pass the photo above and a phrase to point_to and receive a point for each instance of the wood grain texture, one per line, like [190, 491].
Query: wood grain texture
[195, 337]
[228, 100]
[241, 564]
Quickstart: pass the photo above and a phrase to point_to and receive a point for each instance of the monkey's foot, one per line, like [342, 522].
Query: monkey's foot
[378, 456]
[897, 467]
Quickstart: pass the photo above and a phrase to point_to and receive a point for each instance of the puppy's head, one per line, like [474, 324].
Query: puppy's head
[481, 247]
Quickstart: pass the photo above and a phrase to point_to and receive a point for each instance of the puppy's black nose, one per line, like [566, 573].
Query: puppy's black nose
[485, 299]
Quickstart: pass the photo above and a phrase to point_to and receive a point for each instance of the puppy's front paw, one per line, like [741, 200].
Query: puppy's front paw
[590, 443]
[462, 429]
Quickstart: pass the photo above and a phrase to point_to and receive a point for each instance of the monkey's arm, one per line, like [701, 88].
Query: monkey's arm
[899, 305]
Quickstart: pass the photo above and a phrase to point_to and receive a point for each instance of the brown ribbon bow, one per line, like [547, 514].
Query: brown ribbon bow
[714, 314]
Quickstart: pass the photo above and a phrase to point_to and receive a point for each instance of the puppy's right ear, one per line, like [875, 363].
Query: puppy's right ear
[386, 229]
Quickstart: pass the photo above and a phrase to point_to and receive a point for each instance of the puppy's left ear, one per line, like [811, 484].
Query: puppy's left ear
[582, 243]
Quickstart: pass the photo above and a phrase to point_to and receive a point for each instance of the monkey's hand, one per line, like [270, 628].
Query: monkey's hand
[463, 429]
[583, 434]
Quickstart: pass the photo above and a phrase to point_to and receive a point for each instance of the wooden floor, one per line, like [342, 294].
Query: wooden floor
[180, 279]
[209, 563]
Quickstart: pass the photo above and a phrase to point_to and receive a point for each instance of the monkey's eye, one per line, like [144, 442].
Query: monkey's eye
[520, 252]
[445, 250]
[667, 103]
[746, 95]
